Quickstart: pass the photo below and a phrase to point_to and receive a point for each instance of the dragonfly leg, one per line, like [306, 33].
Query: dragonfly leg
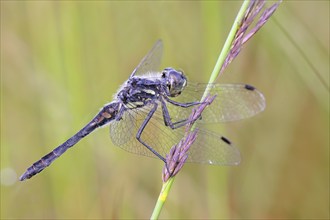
[183, 105]
[143, 125]
[167, 117]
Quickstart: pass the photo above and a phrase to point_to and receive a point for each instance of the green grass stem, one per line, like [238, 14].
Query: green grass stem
[226, 47]
[162, 198]
[215, 73]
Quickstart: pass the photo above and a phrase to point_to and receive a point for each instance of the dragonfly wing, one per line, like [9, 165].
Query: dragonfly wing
[151, 62]
[155, 134]
[209, 148]
[233, 102]
[214, 149]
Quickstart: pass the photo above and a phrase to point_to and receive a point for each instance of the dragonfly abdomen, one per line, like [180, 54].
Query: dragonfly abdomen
[107, 114]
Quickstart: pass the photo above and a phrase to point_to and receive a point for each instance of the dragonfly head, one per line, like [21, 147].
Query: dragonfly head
[175, 81]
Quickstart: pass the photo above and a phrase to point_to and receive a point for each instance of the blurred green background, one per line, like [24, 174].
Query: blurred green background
[62, 61]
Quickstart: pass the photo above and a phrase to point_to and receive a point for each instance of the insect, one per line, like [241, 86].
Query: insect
[149, 110]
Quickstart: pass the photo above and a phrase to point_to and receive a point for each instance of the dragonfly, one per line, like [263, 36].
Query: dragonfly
[149, 111]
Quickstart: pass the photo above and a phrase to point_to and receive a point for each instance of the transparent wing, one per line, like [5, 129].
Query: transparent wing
[208, 148]
[212, 148]
[233, 102]
[151, 61]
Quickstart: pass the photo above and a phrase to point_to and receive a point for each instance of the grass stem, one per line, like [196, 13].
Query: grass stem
[215, 73]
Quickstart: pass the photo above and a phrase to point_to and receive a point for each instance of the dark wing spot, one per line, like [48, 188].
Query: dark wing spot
[249, 87]
[226, 140]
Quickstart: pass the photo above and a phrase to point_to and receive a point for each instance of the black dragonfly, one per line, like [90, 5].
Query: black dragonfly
[149, 110]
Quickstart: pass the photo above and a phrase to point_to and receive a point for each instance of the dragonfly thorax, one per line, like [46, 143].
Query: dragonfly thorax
[139, 91]
[174, 80]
